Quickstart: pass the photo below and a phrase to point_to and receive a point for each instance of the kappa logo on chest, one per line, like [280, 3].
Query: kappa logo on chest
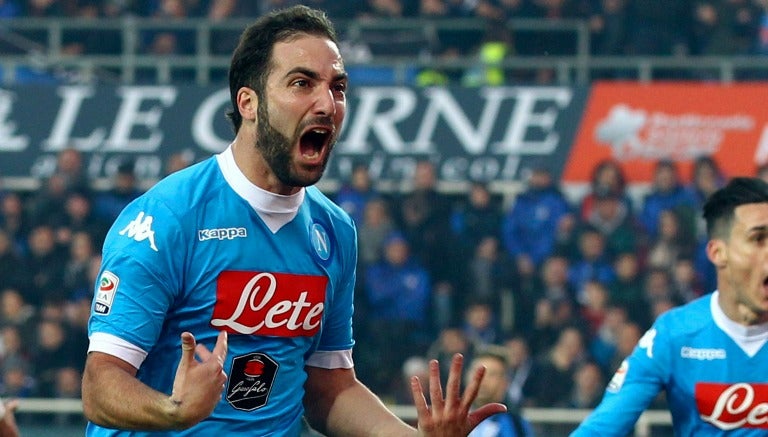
[263, 303]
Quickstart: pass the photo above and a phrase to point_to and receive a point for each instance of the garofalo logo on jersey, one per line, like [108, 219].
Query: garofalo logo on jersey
[251, 380]
[279, 304]
[732, 406]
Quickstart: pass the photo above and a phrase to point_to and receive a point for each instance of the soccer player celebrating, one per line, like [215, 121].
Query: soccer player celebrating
[224, 303]
[709, 355]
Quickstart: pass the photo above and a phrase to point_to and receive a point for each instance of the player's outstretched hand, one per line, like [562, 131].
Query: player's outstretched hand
[198, 385]
[8, 427]
[450, 415]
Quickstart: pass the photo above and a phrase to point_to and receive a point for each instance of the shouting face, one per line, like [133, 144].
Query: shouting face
[302, 109]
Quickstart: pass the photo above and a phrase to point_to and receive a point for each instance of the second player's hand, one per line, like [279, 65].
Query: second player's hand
[198, 385]
[450, 415]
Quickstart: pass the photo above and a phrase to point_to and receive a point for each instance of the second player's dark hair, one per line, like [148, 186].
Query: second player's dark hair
[720, 206]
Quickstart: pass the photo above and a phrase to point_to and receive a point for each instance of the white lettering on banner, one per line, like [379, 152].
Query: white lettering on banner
[524, 118]
[9, 142]
[202, 122]
[287, 313]
[743, 413]
[634, 133]
[483, 133]
[383, 124]
[128, 117]
[441, 104]
[61, 133]
[140, 229]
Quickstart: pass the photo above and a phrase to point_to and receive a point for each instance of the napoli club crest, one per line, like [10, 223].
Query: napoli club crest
[250, 381]
[320, 241]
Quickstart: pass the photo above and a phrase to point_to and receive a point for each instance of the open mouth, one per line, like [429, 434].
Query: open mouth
[313, 142]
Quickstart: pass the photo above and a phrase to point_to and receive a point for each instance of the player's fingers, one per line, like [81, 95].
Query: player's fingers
[453, 386]
[187, 349]
[222, 346]
[419, 400]
[470, 393]
[484, 412]
[435, 386]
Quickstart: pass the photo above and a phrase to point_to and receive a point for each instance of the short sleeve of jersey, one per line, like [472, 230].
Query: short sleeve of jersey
[633, 387]
[139, 278]
[336, 342]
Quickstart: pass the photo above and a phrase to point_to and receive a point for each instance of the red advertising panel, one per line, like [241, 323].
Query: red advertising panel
[640, 124]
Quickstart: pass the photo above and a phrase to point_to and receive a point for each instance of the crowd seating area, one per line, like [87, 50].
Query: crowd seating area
[422, 42]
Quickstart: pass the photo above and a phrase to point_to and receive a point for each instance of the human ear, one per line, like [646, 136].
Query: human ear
[717, 253]
[247, 103]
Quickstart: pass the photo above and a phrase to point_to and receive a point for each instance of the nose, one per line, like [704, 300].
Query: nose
[325, 103]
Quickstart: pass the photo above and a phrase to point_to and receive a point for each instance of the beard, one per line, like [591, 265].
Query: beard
[276, 149]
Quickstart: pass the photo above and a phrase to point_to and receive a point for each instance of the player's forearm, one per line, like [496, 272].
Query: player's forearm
[359, 412]
[114, 398]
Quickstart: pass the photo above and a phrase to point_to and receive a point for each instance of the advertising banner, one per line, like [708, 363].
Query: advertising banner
[640, 124]
[488, 134]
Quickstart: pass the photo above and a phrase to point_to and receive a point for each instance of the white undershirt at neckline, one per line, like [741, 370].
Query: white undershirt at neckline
[275, 209]
[749, 338]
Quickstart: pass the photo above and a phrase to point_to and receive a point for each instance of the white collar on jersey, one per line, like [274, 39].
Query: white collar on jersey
[749, 338]
[276, 210]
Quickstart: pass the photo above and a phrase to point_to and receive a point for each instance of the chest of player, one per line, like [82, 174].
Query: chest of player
[729, 386]
[258, 282]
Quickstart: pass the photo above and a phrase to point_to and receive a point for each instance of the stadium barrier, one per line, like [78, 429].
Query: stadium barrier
[32, 45]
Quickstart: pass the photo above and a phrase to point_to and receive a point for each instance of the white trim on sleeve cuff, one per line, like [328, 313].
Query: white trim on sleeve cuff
[331, 359]
[116, 346]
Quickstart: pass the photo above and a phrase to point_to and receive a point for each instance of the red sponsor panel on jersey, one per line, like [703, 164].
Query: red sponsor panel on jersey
[265, 303]
[638, 124]
[731, 406]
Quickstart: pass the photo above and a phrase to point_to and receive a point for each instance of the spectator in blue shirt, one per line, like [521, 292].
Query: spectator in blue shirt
[667, 192]
[530, 228]
[398, 294]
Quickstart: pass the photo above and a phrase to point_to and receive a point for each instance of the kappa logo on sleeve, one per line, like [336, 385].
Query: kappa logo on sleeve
[105, 295]
[646, 342]
[140, 229]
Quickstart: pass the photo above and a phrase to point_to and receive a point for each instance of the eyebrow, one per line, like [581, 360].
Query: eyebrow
[314, 75]
[761, 228]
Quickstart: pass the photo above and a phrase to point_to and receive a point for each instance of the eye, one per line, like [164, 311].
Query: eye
[340, 87]
[301, 83]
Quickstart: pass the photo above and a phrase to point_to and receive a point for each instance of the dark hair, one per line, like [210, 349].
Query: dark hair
[719, 208]
[251, 60]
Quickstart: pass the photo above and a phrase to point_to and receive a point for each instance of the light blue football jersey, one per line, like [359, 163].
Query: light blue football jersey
[193, 254]
[714, 373]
